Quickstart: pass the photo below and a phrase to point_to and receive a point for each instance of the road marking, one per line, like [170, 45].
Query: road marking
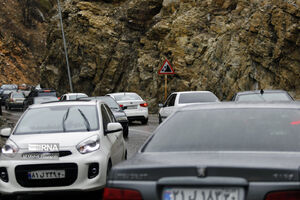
[141, 131]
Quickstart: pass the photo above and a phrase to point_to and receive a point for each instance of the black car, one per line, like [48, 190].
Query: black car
[223, 151]
[38, 93]
[5, 90]
[262, 96]
[116, 110]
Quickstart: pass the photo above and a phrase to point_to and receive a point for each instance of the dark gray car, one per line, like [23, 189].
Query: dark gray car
[223, 151]
[116, 110]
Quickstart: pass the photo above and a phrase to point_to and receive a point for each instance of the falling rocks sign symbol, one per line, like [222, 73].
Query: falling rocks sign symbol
[166, 68]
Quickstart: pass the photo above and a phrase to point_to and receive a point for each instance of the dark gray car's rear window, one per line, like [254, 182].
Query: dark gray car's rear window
[265, 97]
[197, 97]
[228, 129]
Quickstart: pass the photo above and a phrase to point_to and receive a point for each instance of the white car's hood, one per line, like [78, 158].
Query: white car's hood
[67, 139]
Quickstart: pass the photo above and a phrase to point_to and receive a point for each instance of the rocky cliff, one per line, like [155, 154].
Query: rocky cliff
[23, 25]
[223, 46]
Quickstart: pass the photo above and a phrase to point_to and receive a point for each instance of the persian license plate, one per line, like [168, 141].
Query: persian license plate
[203, 194]
[46, 174]
[131, 107]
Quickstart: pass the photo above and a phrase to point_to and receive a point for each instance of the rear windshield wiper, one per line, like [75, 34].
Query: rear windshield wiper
[86, 121]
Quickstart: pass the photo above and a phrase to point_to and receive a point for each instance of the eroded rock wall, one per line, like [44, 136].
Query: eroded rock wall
[23, 25]
[220, 45]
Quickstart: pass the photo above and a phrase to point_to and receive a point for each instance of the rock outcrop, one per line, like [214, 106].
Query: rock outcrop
[22, 39]
[223, 46]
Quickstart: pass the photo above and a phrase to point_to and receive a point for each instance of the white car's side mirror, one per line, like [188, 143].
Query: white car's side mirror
[5, 132]
[113, 127]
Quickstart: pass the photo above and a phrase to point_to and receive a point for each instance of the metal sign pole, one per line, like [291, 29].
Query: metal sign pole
[65, 45]
[166, 86]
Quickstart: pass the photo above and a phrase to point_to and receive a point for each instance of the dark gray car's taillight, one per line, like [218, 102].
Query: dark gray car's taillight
[283, 195]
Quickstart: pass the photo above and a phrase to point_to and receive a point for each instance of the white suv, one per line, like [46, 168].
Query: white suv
[62, 146]
[179, 99]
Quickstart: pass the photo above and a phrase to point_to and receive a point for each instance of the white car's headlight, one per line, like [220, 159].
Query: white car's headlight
[89, 145]
[10, 149]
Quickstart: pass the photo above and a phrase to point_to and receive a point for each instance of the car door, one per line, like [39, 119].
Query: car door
[168, 107]
[119, 144]
[112, 138]
[30, 98]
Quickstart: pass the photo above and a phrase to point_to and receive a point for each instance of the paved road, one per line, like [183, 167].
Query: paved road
[138, 134]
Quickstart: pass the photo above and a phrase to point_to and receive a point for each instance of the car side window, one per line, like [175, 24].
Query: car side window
[172, 100]
[105, 117]
[111, 115]
[168, 101]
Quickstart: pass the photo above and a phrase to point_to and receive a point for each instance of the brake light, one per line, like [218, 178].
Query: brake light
[47, 90]
[144, 104]
[284, 195]
[121, 106]
[121, 194]
[295, 123]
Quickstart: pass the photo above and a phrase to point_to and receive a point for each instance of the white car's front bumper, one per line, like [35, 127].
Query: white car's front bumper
[81, 183]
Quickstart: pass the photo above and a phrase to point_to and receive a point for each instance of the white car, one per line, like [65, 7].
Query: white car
[133, 105]
[179, 99]
[72, 96]
[61, 146]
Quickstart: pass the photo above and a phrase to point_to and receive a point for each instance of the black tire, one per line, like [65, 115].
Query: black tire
[5, 107]
[8, 197]
[159, 119]
[109, 166]
[9, 108]
[125, 157]
[125, 132]
[144, 121]
[97, 194]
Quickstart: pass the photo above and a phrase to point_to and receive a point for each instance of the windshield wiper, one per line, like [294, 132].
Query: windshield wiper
[86, 121]
[65, 118]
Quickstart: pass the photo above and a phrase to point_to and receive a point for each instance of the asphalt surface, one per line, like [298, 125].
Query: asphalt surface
[138, 134]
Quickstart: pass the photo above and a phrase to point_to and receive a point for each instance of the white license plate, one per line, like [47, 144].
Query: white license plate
[203, 194]
[47, 174]
[131, 107]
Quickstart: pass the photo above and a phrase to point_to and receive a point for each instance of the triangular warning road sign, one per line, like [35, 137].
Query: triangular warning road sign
[166, 68]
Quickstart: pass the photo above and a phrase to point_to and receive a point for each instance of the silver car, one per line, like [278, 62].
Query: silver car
[216, 152]
[61, 146]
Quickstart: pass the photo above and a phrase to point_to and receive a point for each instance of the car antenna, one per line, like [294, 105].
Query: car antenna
[262, 91]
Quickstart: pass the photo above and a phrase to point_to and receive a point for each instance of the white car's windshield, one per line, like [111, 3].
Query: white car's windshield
[76, 96]
[265, 97]
[58, 119]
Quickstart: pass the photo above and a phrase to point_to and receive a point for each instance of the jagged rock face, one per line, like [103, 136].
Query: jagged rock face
[224, 46]
[22, 39]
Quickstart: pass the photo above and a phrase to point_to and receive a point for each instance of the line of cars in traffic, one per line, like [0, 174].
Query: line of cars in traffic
[205, 149]
[68, 143]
